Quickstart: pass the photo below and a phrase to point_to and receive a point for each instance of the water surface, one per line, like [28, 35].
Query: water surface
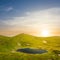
[32, 51]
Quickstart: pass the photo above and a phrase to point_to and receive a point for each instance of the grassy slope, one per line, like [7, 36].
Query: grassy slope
[36, 42]
[11, 44]
[4, 43]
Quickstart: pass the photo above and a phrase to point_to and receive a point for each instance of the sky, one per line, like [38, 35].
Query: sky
[30, 17]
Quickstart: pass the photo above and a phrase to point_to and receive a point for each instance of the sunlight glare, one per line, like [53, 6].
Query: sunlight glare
[45, 33]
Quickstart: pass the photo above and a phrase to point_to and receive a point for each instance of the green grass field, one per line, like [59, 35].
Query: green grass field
[9, 45]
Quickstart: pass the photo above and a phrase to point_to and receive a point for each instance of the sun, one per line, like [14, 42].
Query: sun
[45, 33]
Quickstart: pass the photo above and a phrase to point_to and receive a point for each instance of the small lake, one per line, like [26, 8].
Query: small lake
[32, 51]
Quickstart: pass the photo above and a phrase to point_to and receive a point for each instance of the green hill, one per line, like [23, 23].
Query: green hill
[9, 45]
[24, 40]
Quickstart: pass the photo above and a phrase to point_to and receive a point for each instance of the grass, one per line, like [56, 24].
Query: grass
[9, 45]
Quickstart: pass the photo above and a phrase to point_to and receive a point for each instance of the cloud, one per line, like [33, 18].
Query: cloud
[27, 13]
[48, 18]
[9, 9]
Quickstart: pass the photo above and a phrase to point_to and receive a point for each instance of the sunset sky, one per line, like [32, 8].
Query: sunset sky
[34, 17]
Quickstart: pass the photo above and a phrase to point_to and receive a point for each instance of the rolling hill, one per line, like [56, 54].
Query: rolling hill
[9, 45]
